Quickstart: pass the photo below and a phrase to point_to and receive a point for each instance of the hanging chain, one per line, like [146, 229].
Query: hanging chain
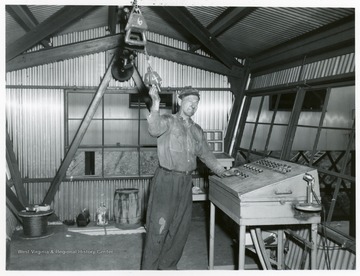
[135, 6]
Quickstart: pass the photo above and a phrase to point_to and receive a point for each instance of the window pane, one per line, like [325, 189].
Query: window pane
[341, 107]
[266, 114]
[117, 107]
[121, 162]
[334, 140]
[253, 110]
[148, 161]
[304, 138]
[78, 103]
[282, 117]
[260, 137]
[77, 165]
[93, 133]
[121, 132]
[246, 138]
[277, 138]
[309, 118]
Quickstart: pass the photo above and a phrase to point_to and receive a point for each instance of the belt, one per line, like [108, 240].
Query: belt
[175, 171]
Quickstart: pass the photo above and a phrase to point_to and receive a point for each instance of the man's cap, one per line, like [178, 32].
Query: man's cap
[188, 90]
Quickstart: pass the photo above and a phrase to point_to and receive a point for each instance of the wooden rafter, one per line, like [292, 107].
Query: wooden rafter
[225, 20]
[112, 19]
[26, 20]
[111, 42]
[193, 26]
[52, 25]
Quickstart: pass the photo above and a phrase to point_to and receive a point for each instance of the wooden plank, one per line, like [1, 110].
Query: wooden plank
[15, 171]
[79, 135]
[48, 27]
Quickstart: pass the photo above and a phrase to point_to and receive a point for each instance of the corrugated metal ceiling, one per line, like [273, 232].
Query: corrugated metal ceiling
[263, 28]
[268, 27]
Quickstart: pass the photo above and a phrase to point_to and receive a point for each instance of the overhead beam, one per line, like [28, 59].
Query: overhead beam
[48, 27]
[15, 172]
[26, 19]
[306, 59]
[194, 27]
[337, 35]
[226, 20]
[333, 81]
[69, 155]
[112, 19]
[63, 52]
[110, 43]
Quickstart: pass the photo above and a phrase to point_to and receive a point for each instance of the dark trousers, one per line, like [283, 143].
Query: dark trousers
[168, 220]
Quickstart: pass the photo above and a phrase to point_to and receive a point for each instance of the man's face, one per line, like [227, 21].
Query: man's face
[189, 105]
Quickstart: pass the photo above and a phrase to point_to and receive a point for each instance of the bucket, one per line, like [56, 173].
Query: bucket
[126, 206]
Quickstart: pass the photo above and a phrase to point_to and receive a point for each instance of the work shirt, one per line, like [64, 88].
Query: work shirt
[179, 142]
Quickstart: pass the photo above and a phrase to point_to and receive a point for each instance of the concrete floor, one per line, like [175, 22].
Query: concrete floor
[71, 251]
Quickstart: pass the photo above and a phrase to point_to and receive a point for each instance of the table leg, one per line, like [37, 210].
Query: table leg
[314, 234]
[280, 249]
[212, 236]
[242, 233]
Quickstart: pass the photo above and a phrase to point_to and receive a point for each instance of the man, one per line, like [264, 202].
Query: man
[180, 141]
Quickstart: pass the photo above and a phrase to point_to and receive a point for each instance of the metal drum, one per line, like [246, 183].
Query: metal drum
[126, 206]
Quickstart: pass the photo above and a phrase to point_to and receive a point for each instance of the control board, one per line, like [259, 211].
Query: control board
[267, 189]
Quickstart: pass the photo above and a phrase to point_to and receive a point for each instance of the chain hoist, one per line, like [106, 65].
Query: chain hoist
[136, 27]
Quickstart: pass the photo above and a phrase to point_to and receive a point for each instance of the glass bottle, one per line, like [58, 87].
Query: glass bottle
[102, 215]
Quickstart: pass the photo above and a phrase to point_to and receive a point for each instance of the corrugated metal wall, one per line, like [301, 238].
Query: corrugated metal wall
[324, 68]
[35, 120]
[328, 252]
[74, 196]
[35, 117]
